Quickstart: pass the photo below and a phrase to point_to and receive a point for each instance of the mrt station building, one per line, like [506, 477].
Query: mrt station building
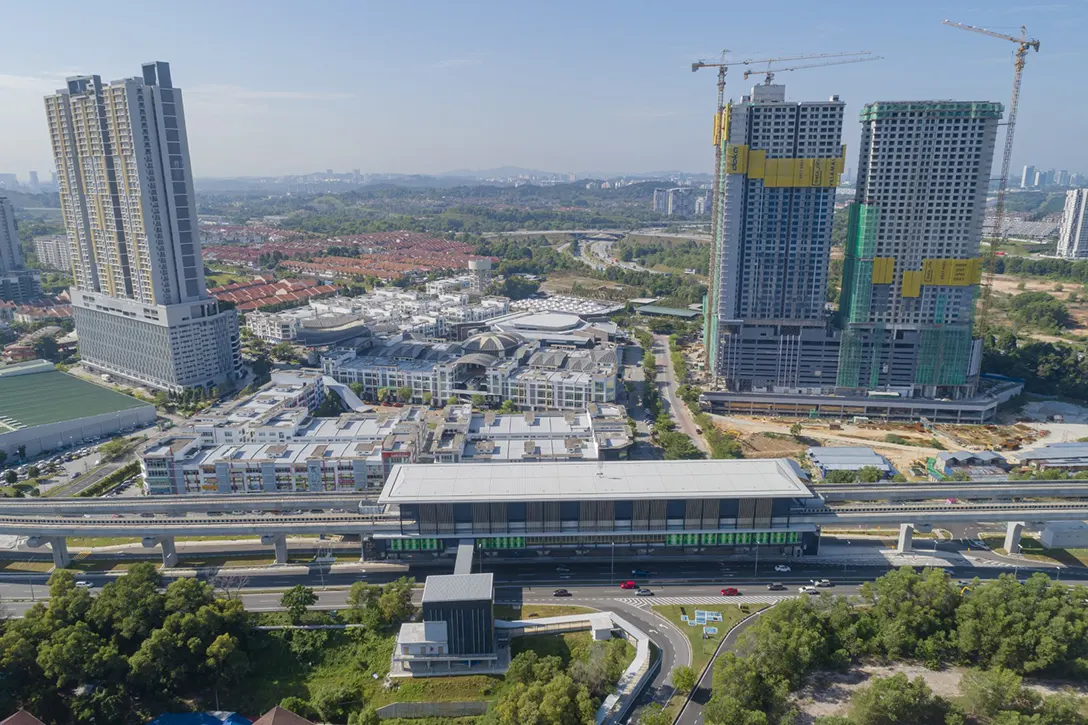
[663, 508]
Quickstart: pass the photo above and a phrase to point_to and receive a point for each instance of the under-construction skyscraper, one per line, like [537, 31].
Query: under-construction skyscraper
[779, 164]
[912, 265]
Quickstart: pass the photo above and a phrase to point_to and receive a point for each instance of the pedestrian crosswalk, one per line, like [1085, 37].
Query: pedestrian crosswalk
[665, 601]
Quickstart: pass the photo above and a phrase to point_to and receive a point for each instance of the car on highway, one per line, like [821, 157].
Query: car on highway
[84, 585]
[821, 582]
[562, 569]
[561, 593]
[628, 585]
[639, 572]
[806, 589]
[776, 587]
[782, 568]
[730, 592]
[644, 592]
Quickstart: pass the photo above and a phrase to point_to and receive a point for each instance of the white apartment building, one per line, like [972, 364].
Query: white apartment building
[270, 442]
[140, 303]
[53, 252]
[599, 432]
[1073, 237]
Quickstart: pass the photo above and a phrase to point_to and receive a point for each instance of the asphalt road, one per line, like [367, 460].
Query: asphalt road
[667, 384]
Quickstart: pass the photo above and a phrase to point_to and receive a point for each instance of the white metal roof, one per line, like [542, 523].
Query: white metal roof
[458, 588]
[576, 481]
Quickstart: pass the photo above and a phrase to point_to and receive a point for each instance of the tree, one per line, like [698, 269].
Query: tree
[384, 394]
[870, 474]
[300, 707]
[225, 658]
[795, 430]
[684, 679]
[357, 388]
[33, 471]
[404, 394]
[652, 714]
[46, 348]
[297, 600]
[988, 692]
[897, 700]
[395, 602]
[678, 446]
[366, 716]
[284, 352]
[427, 397]
[11, 477]
[335, 702]
[508, 406]
[479, 401]
[1039, 309]
[115, 448]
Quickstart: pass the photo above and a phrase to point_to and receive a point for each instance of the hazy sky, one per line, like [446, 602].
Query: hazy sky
[275, 87]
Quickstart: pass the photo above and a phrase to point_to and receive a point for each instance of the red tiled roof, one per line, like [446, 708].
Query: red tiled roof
[25, 718]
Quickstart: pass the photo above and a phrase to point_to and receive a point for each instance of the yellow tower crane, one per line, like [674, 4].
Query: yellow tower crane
[1024, 44]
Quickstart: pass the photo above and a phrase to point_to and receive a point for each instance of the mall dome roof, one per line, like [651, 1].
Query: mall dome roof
[493, 343]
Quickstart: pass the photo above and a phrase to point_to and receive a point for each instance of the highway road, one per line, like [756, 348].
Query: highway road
[668, 384]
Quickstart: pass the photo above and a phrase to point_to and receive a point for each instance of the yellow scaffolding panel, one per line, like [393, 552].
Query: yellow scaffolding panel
[912, 283]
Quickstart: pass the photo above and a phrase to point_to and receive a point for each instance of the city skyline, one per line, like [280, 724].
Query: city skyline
[589, 88]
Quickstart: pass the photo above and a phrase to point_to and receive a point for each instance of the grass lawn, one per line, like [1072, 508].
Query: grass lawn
[1032, 549]
[532, 611]
[703, 649]
[39, 565]
[303, 663]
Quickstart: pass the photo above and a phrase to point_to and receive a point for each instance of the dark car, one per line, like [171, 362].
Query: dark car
[561, 593]
[639, 572]
[776, 587]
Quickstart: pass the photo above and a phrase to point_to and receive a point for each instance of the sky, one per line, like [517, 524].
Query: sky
[277, 87]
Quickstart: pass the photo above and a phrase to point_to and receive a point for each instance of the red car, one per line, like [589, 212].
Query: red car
[628, 585]
[730, 592]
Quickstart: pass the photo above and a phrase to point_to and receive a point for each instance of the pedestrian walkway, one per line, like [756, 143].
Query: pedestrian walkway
[644, 602]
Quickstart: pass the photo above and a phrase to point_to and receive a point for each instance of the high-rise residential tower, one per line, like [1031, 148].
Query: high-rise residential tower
[1027, 179]
[780, 162]
[140, 303]
[1073, 238]
[912, 265]
[17, 284]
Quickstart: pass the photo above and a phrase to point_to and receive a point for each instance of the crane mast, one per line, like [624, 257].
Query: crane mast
[1000, 236]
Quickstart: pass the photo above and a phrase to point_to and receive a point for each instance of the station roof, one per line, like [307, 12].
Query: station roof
[600, 480]
[458, 588]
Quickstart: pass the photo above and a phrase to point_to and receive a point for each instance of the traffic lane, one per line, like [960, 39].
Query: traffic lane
[544, 581]
[674, 646]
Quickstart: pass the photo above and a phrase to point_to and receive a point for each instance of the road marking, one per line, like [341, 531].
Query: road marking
[665, 601]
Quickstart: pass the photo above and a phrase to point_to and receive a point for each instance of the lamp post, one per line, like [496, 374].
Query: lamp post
[612, 571]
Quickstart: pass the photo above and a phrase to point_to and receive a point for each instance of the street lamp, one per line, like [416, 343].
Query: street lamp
[612, 571]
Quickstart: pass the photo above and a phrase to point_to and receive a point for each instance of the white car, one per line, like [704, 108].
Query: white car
[821, 582]
[782, 568]
[807, 590]
[84, 585]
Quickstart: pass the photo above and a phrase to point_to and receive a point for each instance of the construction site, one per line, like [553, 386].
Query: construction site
[902, 342]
